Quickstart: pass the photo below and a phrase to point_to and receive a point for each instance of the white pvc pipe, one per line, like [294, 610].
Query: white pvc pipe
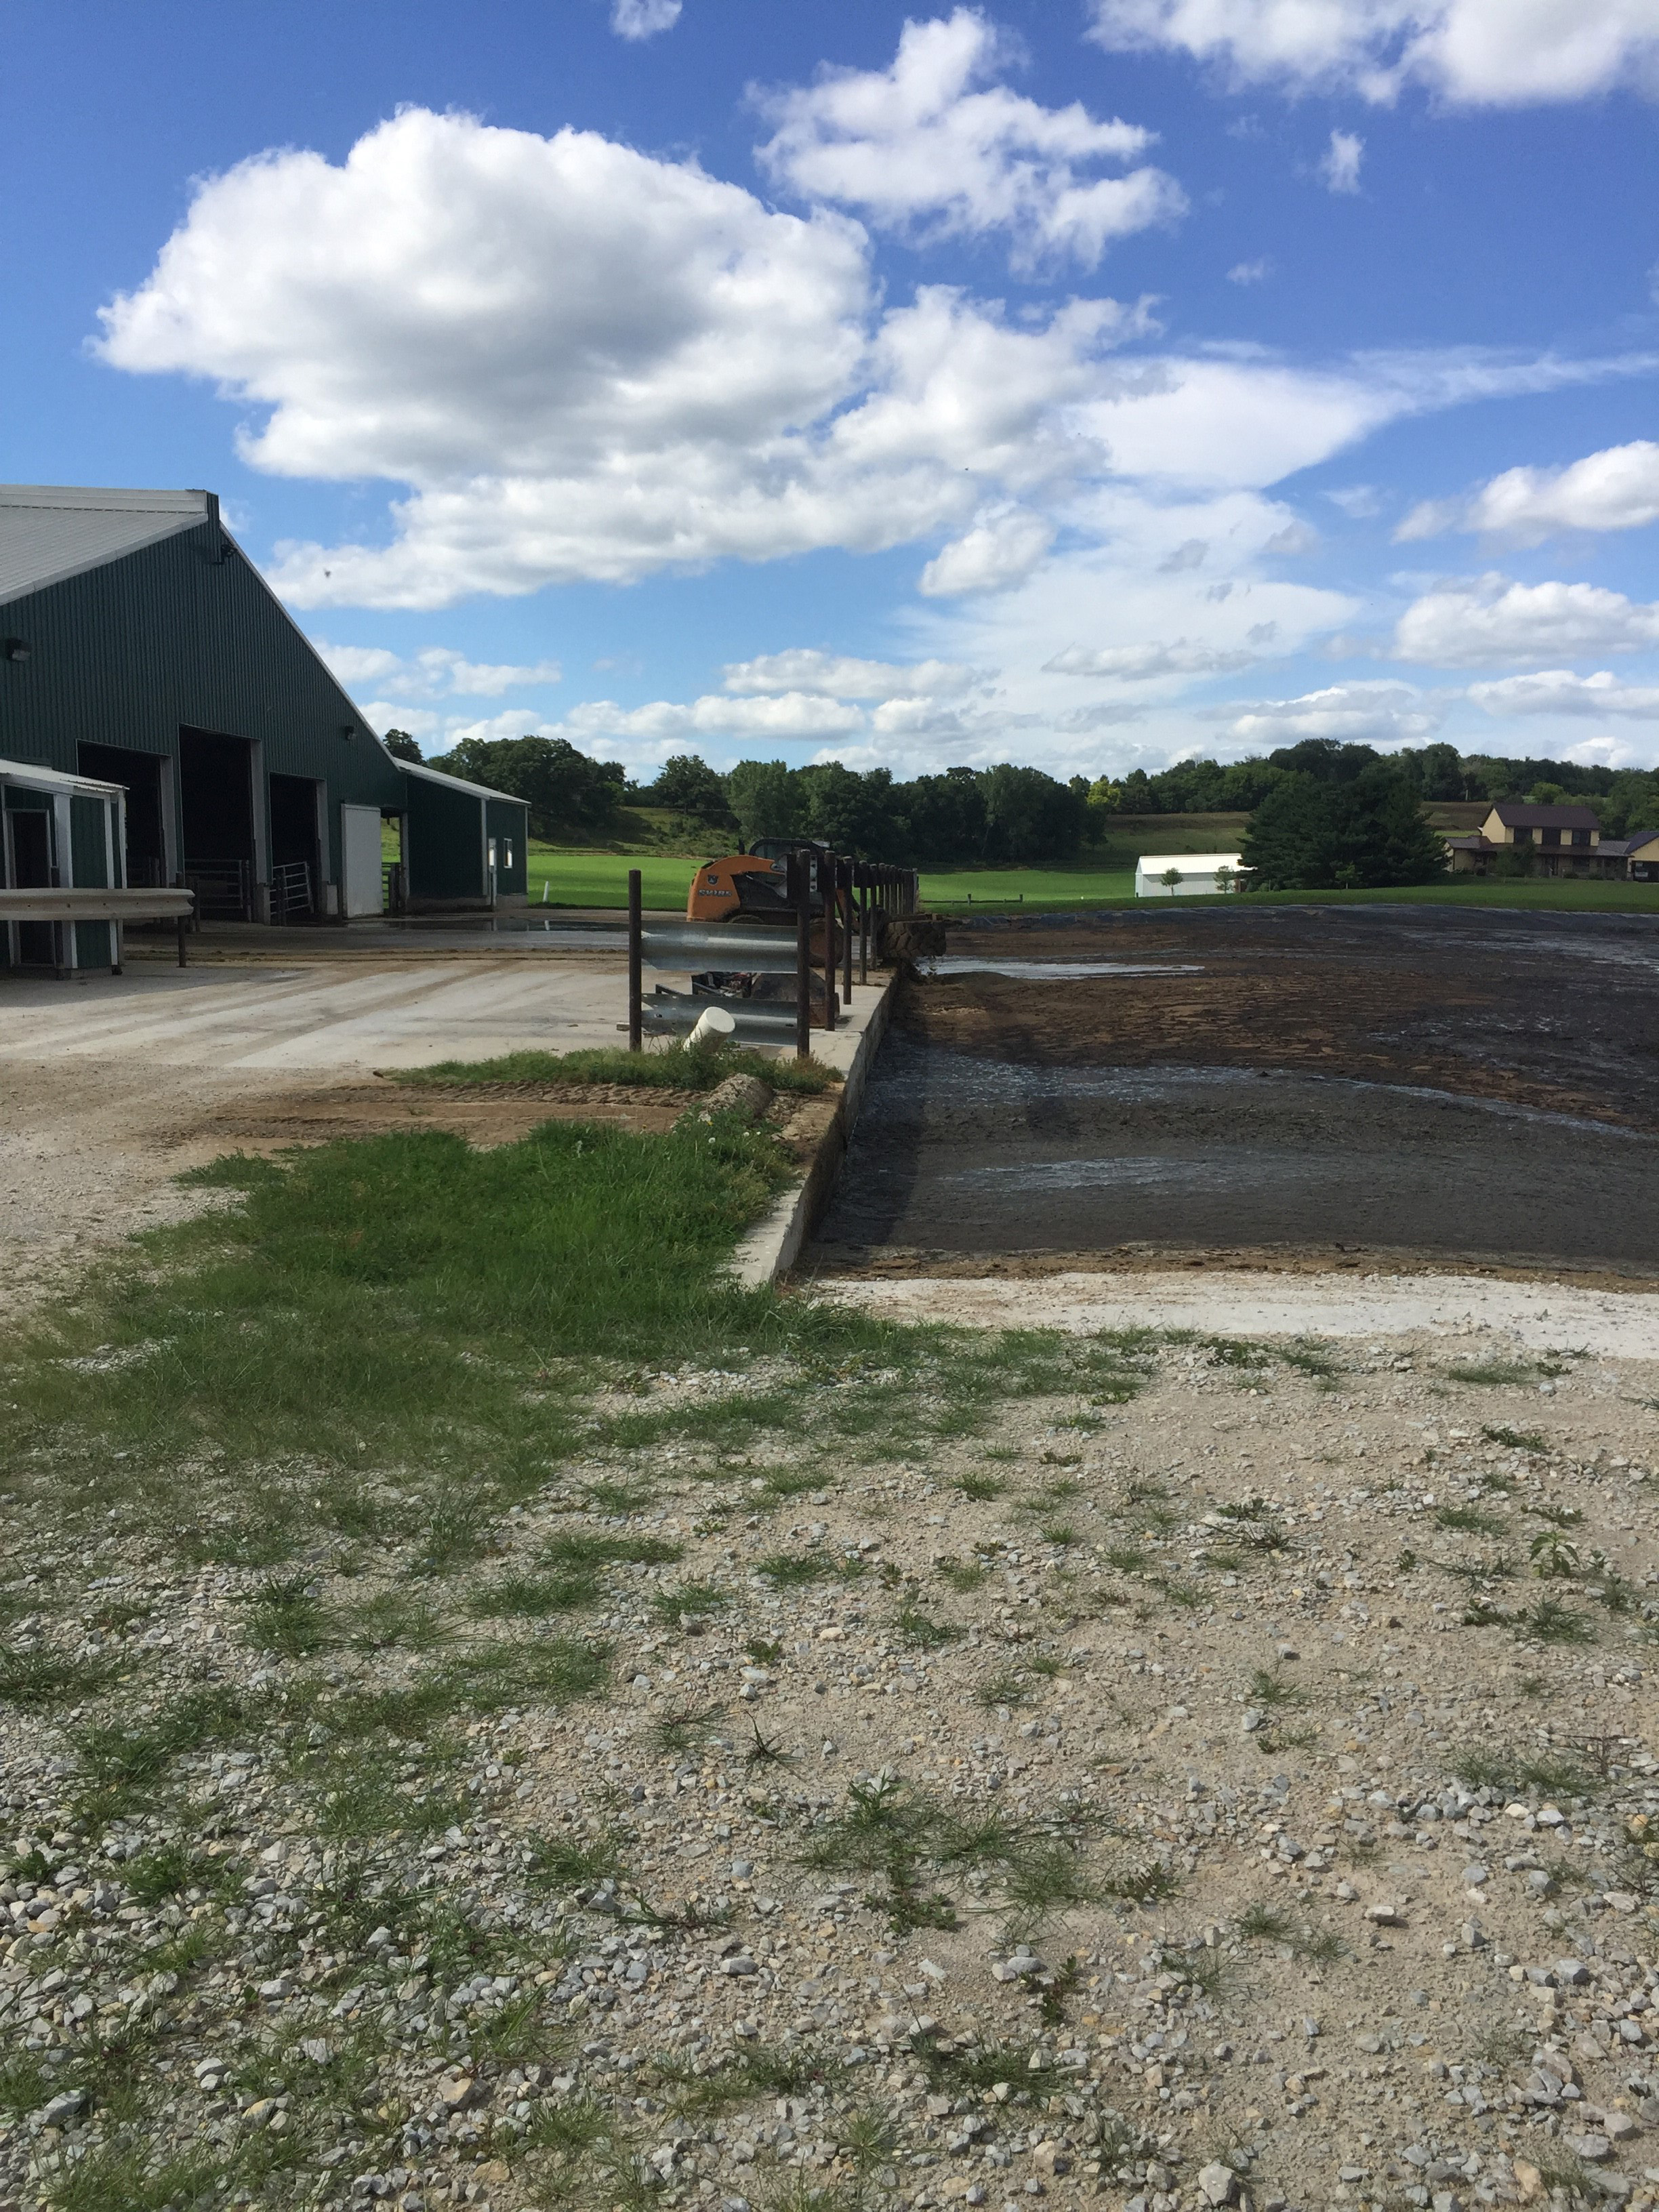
[712, 1024]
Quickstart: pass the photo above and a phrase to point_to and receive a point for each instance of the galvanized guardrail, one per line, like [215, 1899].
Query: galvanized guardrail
[116, 903]
[851, 895]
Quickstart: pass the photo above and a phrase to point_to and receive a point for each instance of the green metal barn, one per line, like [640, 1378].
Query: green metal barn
[140, 647]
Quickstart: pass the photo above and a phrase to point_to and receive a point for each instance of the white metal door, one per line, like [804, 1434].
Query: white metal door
[360, 859]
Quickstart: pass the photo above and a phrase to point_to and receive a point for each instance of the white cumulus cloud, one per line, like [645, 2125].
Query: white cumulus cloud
[1355, 713]
[1559, 691]
[837, 676]
[436, 671]
[1250, 273]
[928, 148]
[1471, 623]
[1617, 488]
[1338, 167]
[572, 362]
[1135, 664]
[1477, 52]
[643, 18]
[587, 363]
[1001, 550]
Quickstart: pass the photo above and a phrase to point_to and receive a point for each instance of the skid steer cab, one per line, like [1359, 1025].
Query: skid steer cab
[753, 886]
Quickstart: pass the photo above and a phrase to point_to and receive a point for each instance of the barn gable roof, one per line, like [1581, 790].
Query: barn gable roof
[50, 533]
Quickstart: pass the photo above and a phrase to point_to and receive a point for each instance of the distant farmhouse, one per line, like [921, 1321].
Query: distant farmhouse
[148, 670]
[1561, 840]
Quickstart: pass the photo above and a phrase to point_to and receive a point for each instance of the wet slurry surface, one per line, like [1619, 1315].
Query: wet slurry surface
[1455, 1086]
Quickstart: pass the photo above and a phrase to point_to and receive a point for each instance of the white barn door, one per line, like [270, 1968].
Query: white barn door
[360, 859]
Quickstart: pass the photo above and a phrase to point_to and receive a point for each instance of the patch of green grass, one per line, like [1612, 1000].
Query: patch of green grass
[794, 1570]
[1469, 1519]
[1058, 1531]
[963, 1575]
[120, 1762]
[234, 1540]
[1310, 1359]
[891, 1830]
[1264, 1923]
[573, 1863]
[1138, 1880]
[1548, 1621]
[1234, 1352]
[287, 1617]
[975, 2068]
[1271, 1689]
[25, 2083]
[122, 2177]
[533, 1597]
[614, 1498]
[981, 1488]
[789, 1481]
[166, 1871]
[761, 1653]
[1006, 1688]
[925, 1634]
[1126, 1559]
[459, 1530]
[389, 1618]
[1528, 1440]
[687, 1728]
[37, 1679]
[688, 1601]
[583, 1552]
[676, 1068]
[1485, 1766]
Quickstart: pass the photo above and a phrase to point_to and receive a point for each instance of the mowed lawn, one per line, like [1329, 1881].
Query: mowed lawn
[589, 878]
[593, 878]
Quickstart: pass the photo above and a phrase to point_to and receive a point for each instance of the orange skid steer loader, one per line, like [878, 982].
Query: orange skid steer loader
[747, 887]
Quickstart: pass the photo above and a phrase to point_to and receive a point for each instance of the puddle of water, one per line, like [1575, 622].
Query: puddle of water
[1214, 1172]
[959, 963]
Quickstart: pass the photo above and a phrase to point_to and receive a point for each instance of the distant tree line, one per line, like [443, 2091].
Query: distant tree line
[1320, 812]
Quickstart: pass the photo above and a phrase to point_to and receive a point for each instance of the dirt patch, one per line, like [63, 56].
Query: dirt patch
[1324, 1087]
[495, 1115]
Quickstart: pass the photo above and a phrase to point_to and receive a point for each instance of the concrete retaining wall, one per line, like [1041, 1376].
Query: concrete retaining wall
[774, 1245]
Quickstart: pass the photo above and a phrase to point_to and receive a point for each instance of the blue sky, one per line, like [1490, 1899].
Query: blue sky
[1091, 384]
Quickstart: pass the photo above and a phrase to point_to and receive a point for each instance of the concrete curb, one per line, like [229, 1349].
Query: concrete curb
[774, 1245]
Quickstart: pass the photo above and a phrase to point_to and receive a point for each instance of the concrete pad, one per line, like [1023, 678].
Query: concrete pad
[344, 1021]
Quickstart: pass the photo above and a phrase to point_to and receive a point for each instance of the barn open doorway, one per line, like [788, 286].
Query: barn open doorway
[215, 777]
[29, 861]
[295, 872]
[142, 773]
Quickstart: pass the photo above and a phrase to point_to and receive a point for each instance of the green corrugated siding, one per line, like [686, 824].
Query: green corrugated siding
[171, 636]
[444, 849]
[506, 820]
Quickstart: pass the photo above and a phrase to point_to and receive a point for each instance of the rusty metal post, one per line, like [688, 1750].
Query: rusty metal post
[845, 872]
[800, 891]
[864, 931]
[635, 963]
[826, 867]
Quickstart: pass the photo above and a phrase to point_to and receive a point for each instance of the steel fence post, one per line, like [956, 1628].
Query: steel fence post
[801, 891]
[635, 963]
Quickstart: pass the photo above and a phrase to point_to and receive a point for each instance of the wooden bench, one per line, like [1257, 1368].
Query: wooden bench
[114, 907]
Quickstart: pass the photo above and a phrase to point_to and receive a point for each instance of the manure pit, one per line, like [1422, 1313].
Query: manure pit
[1241, 1086]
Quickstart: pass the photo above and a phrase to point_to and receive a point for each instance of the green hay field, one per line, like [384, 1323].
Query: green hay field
[590, 878]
